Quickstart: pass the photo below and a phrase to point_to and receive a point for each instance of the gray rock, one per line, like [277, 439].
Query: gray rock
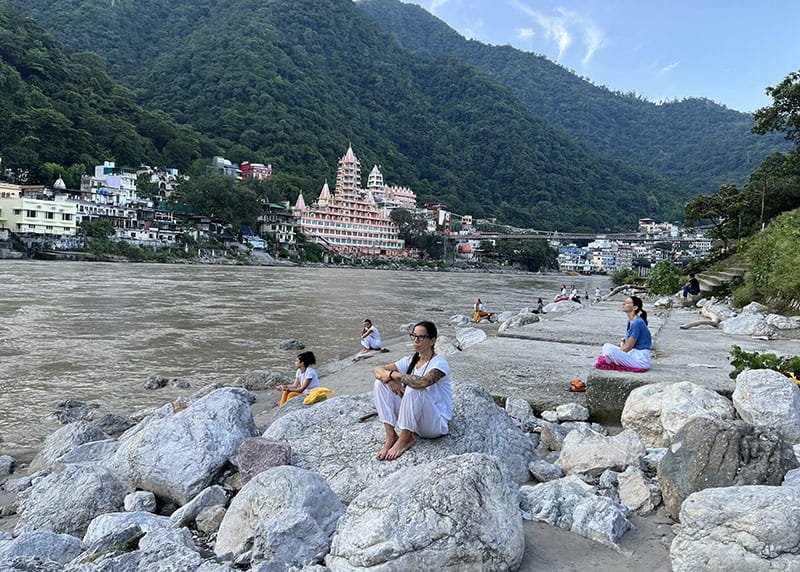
[748, 528]
[589, 452]
[407, 328]
[140, 501]
[764, 331]
[212, 496]
[210, 518]
[562, 307]
[332, 439]
[6, 463]
[665, 302]
[458, 320]
[292, 345]
[270, 501]
[754, 308]
[658, 411]
[456, 513]
[467, 337]
[42, 545]
[783, 322]
[504, 316]
[92, 452]
[518, 409]
[719, 453]
[572, 412]
[155, 382]
[571, 504]
[113, 425]
[651, 460]
[64, 440]
[66, 501]
[637, 492]
[741, 325]
[518, 321]
[257, 454]
[179, 455]
[16, 486]
[260, 380]
[108, 529]
[791, 478]
[72, 410]
[766, 397]
[550, 416]
[543, 471]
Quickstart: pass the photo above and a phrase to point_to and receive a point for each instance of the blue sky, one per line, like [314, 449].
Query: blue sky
[661, 49]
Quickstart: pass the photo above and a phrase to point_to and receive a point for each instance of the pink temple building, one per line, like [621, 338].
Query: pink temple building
[350, 220]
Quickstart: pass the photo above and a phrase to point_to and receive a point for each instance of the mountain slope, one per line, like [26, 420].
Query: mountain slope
[694, 141]
[64, 109]
[294, 81]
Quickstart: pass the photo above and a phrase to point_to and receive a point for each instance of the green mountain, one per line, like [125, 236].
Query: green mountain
[293, 82]
[64, 109]
[695, 141]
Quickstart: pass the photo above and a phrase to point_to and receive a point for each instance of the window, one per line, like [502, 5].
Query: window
[66, 217]
[17, 212]
[31, 214]
[49, 216]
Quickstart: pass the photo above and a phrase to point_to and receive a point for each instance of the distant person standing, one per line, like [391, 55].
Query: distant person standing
[692, 286]
[597, 294]
[370, 337]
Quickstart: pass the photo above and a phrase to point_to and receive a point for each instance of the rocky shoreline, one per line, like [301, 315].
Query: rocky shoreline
[223, 481]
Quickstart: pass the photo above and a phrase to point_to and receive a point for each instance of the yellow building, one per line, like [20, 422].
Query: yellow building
[28, 211]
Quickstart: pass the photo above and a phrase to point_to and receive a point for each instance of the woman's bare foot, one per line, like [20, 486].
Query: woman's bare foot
[400, 446]
[387, 446]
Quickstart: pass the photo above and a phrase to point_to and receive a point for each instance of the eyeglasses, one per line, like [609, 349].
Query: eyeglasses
[417, 338]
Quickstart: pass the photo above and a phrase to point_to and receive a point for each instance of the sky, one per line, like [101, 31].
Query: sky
[727, 51]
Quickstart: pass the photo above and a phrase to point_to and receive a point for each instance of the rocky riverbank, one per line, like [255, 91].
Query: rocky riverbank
[221, 481]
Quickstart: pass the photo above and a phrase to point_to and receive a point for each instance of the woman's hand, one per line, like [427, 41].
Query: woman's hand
[396, 387]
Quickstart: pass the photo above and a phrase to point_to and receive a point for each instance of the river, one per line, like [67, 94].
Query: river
[97, 331]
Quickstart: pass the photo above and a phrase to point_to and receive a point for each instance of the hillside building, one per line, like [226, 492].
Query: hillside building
[28, 210]
[257, 171]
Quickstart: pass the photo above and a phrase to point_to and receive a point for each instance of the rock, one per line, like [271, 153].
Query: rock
[721, 453]
[273, 505]
[332, 439]
[209, 519]
[738, 528]
[543, 471]
[43, 545]
[572, 412]
[724, 311]
[407, 328]
[292, 345]
[664, 302]
[111, 528]
[66, 501]
[64, 440]
[637, 492]
[518, 321]
[518, 409]
[6, 463]
[561, 307]
[212, 496]
[155, 382]
[741, 325]
[72, 411]
[766, 397]
[571, 504]
[179, 455]
[113, 425]
[16, 486]
[504, 316]
[754, 308]
[257, 454]
[589, 452]
[456, 513]
[791, 478]
[651, 460]
[764, 331]
[92, 452]
[459, 320]
[783, 322]
[469, 337]
[658, 411]
[140, 501]
[261, 379]
[550, 416]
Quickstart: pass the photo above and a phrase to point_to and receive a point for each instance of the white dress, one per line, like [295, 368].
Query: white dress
[372, 341]
[422, 411]
[300, 376]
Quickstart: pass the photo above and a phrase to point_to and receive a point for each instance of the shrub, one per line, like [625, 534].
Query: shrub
[741, 360]
[624, 276]
[664, 278]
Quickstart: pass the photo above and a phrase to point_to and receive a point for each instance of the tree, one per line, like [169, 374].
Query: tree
[220, 197]
[784, 113]
[720, 209]
[412, 227]
[97, 228]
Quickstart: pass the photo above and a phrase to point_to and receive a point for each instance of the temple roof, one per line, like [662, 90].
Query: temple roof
[59, 184]
[325, 193]
[300, 205]
[350, 156]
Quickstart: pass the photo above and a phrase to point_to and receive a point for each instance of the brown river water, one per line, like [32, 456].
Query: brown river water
[97, 331]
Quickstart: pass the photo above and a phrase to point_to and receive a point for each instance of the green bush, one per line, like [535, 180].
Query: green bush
[664, 278]
[773, 278]
[741, 360]
[624, 276]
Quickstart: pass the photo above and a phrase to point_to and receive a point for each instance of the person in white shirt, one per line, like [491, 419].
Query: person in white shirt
[414, 396]
[370, 337]
[305, 378]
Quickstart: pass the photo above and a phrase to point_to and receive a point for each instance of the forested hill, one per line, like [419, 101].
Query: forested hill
[293, 82]
[64, 109]
[696, 141]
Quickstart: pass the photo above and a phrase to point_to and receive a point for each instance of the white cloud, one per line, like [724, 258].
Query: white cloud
[473, 32]
[436, 4]
[524, 33]
[668, 68]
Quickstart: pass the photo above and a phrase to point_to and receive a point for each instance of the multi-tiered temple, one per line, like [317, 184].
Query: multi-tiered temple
[352, 220]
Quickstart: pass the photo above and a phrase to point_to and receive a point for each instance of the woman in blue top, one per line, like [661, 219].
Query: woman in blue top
[634, 351]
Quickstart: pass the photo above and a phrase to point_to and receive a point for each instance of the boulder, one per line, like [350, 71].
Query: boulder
[66, 501]
[766, 397]
[41, 545]
[764, 331]
[738, 528]
[257, 454]
[179, 455]
[572, 412]
[518, 409]
[741, 325]
[637, 492]
[140, 501]
[292, 345]
[271, 511]
[783, 322]
[455, 513]
[469, 337]
[543, 471]
[64, 440]
[103, 532]
[562, 307]
[113, 425]
[588, 452]
[791, 479]
[754, 308]
[459, 320]
[6, 463]
[721, 453]
[260, 379]
[506, 315]
[92, 452]
[518, 321]
[571, 504]
[721, 309]
[212, 496]
[658, 411]
[209, 519]
[339, 438]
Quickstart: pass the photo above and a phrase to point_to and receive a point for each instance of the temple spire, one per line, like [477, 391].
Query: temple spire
[300, 205]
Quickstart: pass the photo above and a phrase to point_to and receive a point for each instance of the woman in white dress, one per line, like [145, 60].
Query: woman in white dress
[414, 396]
[370, 337]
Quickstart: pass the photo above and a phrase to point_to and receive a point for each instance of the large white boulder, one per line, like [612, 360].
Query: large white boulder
[658, 411]
[40, 546]
[64, 440]
[562, 307]
[340, 437]
[176, 456]
[456, 513]
[742, 325]
[588, 452]
[766, 397]
[747, 528]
